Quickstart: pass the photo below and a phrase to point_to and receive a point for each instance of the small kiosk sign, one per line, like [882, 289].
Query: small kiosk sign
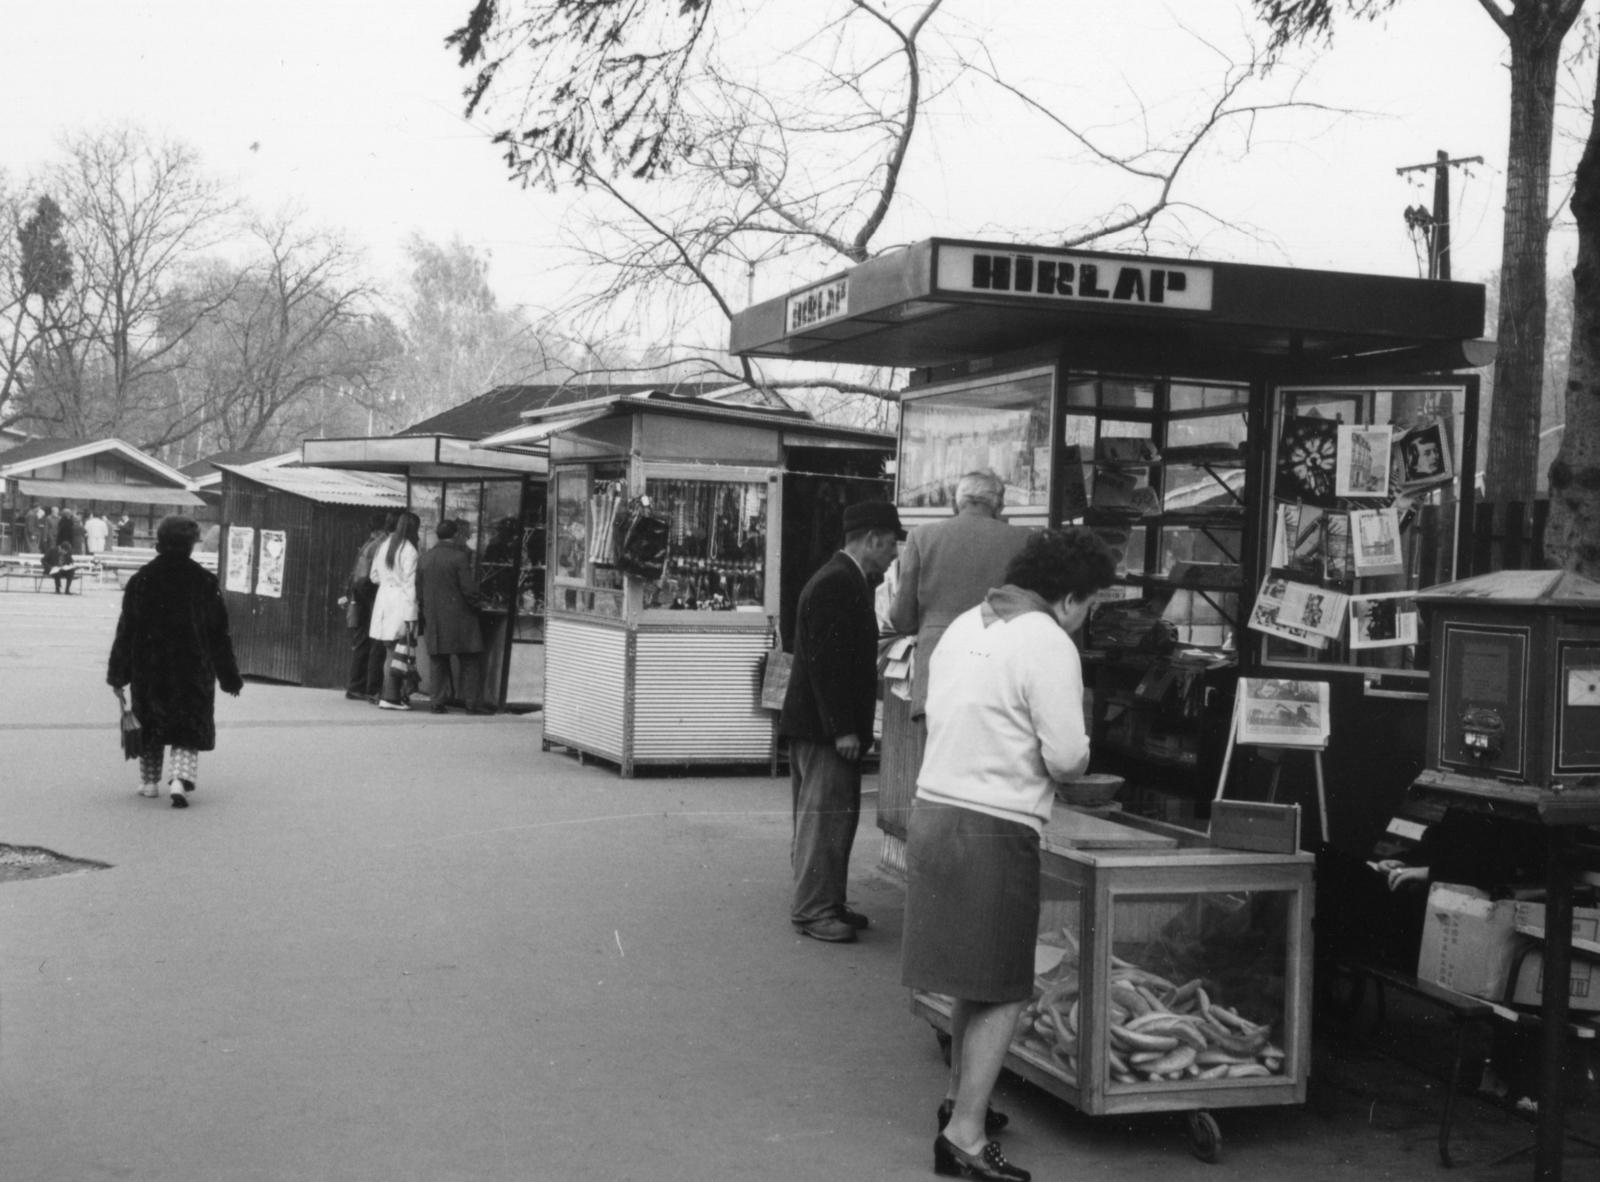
[818, 305]
[1052, 275]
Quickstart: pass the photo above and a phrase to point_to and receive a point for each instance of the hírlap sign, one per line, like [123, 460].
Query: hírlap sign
[1052, 275]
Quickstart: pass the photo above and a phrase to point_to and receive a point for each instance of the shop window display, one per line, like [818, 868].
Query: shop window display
[1365, 493]
[716, 545]
[588, 502]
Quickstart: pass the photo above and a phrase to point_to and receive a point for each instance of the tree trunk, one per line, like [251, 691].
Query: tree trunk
[1535, 29]
[1572, 535]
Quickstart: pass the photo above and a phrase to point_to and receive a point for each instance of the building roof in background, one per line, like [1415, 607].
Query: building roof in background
[328, 486]
[504, 406]
[206, 472]
[41, 453]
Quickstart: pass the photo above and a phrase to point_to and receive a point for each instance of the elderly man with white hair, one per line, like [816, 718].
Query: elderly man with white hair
[947, 568]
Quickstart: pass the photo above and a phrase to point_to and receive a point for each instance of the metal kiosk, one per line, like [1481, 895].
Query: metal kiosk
[1190, 412]
[667, 670]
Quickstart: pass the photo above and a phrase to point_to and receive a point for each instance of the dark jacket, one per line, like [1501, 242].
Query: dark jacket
[947, 568]
[173, 648]
[448, 601]
[833, 684]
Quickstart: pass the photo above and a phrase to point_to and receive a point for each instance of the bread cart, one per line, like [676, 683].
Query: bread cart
[1173, 975]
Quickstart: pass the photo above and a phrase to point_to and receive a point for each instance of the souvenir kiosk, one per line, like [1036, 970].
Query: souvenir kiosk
[656, 657]
[1224, 428]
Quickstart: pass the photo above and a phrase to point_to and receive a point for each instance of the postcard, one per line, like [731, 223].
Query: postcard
[1375, 542]
[1298, 540]
[1281, 712]
[1310, 608]
[1338, 563]
[1308, 454]
[1383, 621]
[1361, 467]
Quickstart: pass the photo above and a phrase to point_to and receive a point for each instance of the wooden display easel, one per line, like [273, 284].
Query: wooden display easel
[1277, 767]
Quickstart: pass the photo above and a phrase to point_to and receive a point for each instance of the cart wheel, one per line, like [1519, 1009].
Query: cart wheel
[1205, 1138]
[1342, 993]
[944, 1046]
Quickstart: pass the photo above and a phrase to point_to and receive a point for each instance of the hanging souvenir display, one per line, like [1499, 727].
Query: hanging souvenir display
[1384, 620]
[1361, 467]
[1308, 461]
[1375, 542]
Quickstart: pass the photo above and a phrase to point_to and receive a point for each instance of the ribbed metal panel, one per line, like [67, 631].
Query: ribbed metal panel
[585, 678]
[697, 697]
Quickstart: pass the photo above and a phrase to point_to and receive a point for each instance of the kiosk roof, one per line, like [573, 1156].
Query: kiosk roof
[948, 300]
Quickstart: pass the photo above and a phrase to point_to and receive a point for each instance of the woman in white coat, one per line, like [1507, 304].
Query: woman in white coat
[394, 611]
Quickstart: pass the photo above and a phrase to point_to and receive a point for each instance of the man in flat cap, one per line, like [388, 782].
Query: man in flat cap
[828, 715]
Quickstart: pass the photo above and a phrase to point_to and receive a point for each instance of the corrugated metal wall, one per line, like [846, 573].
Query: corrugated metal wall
[337, 533]
[697, 697]
[585, 682]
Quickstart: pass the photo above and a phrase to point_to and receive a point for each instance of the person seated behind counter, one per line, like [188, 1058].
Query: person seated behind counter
[946, 568]
[1005, 721]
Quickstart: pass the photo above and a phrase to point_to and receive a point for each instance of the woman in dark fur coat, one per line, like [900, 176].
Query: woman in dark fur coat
[173, 648]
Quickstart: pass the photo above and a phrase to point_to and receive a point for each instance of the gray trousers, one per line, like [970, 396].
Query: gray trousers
[827, 808]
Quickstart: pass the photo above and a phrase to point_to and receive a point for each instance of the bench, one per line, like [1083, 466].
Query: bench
[28, 567]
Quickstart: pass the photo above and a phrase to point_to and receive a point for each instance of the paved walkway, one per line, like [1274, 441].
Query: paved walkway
[391, 947]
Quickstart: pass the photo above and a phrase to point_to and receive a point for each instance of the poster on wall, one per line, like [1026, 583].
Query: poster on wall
[1280, 712]
[1362, 465]
[241, 541]
[269, 572]
[1383, 621]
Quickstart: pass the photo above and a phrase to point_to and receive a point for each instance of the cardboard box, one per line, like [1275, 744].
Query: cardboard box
[1468, 941]
[1584, 991]
[1585, 924]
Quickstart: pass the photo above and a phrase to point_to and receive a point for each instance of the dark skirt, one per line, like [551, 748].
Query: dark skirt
[972, 904]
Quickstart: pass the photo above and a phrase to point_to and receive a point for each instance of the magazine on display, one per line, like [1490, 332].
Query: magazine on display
[1386, 620]
[1338, 562]
[1281, 712]
[1375, 542]
[1423, 456]
[1265, 616]
[1308, 454]
[1297, 541]
[1361, 467]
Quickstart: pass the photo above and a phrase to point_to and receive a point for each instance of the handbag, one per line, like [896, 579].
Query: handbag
[352, 614]
[405, 652]
[132, 736]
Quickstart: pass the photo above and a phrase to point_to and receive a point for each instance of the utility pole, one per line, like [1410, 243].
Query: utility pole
[1436, 226]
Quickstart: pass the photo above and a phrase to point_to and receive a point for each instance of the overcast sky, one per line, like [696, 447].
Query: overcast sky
[354, 110]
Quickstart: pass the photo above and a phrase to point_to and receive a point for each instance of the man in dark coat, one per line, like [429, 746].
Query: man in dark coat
[447, 611]
[828, 715]
[173, 648]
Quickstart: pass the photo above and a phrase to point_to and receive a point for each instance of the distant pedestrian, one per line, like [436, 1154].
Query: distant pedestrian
[70, 531]
[366, 656]
[58, 564]
[173, 649]
[828, 717]
[394, 608]
[447, 613]
[125, 530]
[95, 532]
[34, 522]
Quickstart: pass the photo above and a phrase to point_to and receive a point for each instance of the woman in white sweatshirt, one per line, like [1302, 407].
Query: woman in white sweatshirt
[1005, 721]
[394, 609]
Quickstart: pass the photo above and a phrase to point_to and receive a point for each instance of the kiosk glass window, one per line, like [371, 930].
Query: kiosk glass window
[426, 499]
[716, 545]
[1363, 512]
[1001, 423]
[587, 501]
[1156, 466]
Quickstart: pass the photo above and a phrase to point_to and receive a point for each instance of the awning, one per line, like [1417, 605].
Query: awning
[94, 490]
[540, 432]
[422, 457]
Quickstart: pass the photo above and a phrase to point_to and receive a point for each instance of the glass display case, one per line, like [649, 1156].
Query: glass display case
[1173, 979]
[1000, 423]
[716, 556]
[589, 500]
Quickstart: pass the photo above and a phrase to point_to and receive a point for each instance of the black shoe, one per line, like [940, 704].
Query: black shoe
[989, 1164]
[854, 918]
[829, 930]
[993, 1121]
[352, 696]
[439, 708]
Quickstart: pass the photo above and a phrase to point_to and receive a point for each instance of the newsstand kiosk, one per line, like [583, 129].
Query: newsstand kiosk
[1280, 458]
